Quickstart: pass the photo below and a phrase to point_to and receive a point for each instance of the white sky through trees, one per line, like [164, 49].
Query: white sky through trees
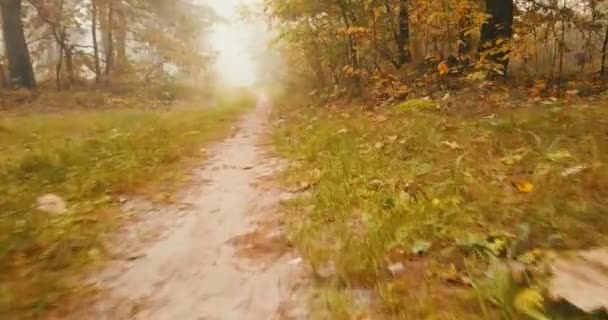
[234, 65]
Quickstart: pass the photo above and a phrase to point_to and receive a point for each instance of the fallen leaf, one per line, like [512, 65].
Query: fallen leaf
[295, 261]
[572, 92]
[392, 139]
[343, 131]
[559, 155]
[380, 118]
[512, 159]
[396, 268]
[379, 145]
[530, 302]
[375, 184]
[443, 68]
[453, 145]
[52, 204]
[581, 279]
[573, 170]
[304, 186]
[523, 186]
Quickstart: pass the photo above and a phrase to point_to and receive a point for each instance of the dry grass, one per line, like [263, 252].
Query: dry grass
[87, 158]
[444, 196]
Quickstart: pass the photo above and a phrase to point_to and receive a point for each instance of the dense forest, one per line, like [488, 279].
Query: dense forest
[384, 48]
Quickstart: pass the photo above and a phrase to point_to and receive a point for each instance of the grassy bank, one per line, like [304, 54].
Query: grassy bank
[88, 159]
[414, 213]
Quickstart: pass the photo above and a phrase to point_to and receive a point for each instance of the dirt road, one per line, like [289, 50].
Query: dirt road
[223, 257]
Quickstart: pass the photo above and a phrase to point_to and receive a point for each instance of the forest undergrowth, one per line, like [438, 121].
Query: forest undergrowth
[64, 170]
[444, 209]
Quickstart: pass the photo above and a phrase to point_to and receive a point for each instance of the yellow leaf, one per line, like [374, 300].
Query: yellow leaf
[530, 302]
[443, 68]
[523, 186]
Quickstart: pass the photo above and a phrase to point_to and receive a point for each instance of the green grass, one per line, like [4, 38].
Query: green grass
[88, 159]
[444, 195]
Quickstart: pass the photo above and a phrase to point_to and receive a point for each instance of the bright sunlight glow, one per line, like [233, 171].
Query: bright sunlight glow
[234, 64]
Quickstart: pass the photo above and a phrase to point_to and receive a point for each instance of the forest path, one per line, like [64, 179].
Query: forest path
[222, 257]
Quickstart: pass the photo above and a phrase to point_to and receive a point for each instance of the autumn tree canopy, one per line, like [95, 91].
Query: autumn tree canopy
[69, 41]
[379, 46]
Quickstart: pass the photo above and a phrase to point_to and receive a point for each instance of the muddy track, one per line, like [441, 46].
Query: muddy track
[223, 257]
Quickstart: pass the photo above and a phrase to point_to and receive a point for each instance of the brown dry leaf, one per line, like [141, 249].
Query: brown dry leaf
[376, 184]
[380, 119]
[303, 186]
[453, 145]
[379, 145]
[392, 139]
[582, 280]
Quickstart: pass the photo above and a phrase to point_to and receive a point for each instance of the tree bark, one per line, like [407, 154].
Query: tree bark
[352, 56]
[95, 43]
[110, 36]
[403, 36]
[121, 35]
[3, 76]
[69, 65]
[498, 27]
[21, 72]
[604, 55]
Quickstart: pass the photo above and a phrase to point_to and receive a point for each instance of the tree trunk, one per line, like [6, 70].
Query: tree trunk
[317, 61]
[121, 35]
[604, 55]
[58, 68]
[110, 39]
[95, 44]
[352, 56]
[69, 65]
[21, 72]
[403, 36]
[3, 76]
[497, 31]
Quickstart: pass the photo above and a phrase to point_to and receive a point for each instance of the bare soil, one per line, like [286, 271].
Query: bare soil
[218, 253]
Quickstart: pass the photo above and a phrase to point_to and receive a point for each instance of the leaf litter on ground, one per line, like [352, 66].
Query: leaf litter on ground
[512, 175]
